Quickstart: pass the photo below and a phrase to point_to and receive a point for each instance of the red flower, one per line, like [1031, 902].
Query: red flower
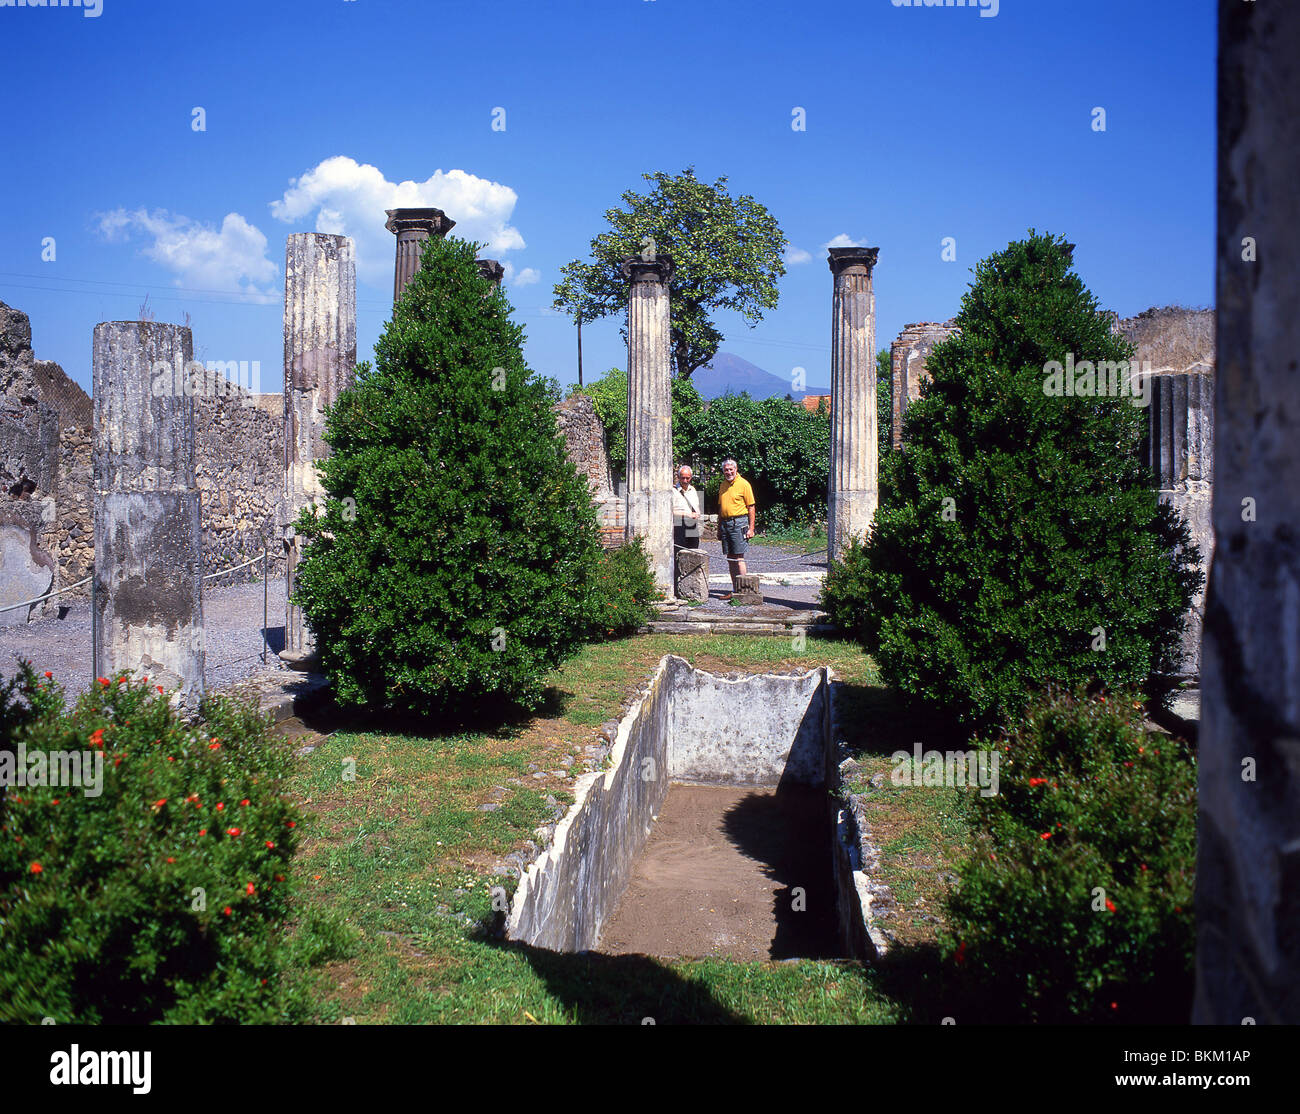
[203, 831]
[226, 910]
[250, 889]
[36, 868]
[270, 844]
[232, 831]
[160, 688]
[293, 824]
[159, 804]
[1046, 835]
[117, 761]
[279, 877]
[959, 956]
[171, 860]
[49, 675]
[244, 801]
[103, 681]
[1110, 905]
[1037, 781]
[1142, 867]
[220, 807]
[1114, 1005]
[214, 746]
[97, 737]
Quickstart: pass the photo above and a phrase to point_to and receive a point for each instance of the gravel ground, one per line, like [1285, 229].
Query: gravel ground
[232, 620]
[766, 559]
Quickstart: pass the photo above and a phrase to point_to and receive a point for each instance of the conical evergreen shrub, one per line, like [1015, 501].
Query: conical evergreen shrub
[454, 561]
[1022, 543]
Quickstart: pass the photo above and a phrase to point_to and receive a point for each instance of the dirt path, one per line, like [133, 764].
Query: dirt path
[719, 875]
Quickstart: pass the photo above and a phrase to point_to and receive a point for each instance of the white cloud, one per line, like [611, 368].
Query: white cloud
[795, 256]
[230, 258]
[526, 277]
[843, 240]
[349, 198]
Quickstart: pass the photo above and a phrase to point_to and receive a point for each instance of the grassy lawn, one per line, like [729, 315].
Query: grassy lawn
[796, 539]
[396, 865]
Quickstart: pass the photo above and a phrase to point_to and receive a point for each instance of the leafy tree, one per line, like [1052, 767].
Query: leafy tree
[1021, 543]
[727, 253]
[455, 559]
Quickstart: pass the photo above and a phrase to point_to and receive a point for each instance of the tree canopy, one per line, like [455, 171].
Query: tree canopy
[727, 253]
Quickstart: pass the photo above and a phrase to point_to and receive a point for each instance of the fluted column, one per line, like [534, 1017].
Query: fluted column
[1248, 762]
[649, 413]
[853, 492]
[320, 355]
[147, 612]
[413, 228]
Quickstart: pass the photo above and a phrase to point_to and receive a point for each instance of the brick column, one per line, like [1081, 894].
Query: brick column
[413, 227]
[147, 612]
[320, 355]
[649, 413]
[1248, 853]
[853, 492]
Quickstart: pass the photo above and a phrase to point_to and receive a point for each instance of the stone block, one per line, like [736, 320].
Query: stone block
[26, 571]
[692, 574]
[748, 590]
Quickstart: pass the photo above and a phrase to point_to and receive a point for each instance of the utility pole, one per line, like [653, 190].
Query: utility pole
[579, 349]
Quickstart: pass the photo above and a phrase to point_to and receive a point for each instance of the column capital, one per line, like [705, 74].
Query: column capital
[639, 269]
[841, 259]
[491, 270]
[433, 221]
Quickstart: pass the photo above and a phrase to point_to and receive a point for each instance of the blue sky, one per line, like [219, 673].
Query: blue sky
[922, 123]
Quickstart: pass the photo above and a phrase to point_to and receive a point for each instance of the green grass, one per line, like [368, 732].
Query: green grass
[794, 537]
[395, 879]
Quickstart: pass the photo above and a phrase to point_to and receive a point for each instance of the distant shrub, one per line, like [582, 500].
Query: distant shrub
[1076, 902]
[625, 588]
[162, 899]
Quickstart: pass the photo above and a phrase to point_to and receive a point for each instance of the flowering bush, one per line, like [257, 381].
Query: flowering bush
[1076, 902]
[161, 899]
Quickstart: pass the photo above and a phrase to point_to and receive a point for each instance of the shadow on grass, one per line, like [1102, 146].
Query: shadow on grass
[876, 720]
[623, 989]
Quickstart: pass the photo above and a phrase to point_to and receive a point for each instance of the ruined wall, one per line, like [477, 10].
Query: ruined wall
[907, 358]
[240, 476]
[585, 438]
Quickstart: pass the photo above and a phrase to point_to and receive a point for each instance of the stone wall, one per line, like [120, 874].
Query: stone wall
[907, 358]
[585, 437]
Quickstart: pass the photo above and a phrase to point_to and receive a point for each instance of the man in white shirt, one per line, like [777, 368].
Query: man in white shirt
[686, 511]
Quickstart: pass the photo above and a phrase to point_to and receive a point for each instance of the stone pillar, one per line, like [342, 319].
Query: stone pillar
[1248, 854]
[649, 413]
[320, 355]
[147, 612]
[413, 227]
[1180, 452]
[491, 270]
[907, 363]
[853, 492]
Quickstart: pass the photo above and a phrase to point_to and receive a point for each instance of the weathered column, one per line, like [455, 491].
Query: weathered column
[853, 492]
[1248, 855]
[649, 413]
[1180, 452]
[147, 612]
[320, 355]
[491, 270]
[413, 227]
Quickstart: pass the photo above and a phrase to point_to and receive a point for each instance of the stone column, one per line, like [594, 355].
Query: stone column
[320, 355]
[413, 228]
[147, 611]
[491, 270]
[1180, 452]
[649, 413]
[853, 492]
[1248, 855]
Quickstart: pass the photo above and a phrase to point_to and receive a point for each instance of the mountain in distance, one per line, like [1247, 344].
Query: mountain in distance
[731, 373]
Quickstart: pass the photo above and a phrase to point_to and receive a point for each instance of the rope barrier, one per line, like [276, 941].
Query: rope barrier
[74, 587]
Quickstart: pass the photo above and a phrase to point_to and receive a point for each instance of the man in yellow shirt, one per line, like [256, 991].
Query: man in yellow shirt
[735, 520]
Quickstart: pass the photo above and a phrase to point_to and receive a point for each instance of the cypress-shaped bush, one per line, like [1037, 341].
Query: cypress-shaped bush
[454, 560]
[1021, 543]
